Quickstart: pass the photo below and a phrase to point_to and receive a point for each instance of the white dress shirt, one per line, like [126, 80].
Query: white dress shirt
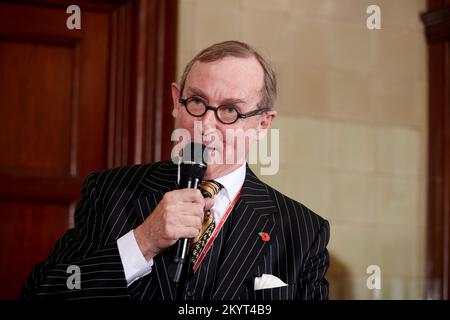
[134, 263]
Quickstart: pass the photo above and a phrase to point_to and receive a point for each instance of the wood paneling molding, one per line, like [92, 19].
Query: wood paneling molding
[437, 26]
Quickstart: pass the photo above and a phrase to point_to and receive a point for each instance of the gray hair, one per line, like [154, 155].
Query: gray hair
[239, 50]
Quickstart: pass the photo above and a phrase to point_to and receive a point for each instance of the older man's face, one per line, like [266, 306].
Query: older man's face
[230, 81]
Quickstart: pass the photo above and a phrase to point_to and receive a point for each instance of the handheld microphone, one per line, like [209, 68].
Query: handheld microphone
[192, 170]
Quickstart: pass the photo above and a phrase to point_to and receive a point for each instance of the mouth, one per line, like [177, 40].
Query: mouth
[211, 148]
[210, 145]
[212, 142]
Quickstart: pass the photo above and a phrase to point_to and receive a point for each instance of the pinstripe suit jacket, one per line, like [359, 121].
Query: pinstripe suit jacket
[115, 201]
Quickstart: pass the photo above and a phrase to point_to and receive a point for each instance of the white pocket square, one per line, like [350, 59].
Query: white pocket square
[268, 281]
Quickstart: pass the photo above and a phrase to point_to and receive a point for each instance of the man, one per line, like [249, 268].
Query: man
[262, 245]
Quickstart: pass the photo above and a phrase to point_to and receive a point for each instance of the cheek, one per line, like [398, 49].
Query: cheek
[241, 136]
[183, 129]
[231, 138]
[184, 121]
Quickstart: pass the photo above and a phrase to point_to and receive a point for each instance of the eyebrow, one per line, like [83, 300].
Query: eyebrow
[200, 93]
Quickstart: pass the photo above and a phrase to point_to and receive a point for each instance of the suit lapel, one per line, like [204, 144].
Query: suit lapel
[155, 185]
[244, 248]
[253, 213]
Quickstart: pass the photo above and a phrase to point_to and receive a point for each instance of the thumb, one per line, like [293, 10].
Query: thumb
[209, 202]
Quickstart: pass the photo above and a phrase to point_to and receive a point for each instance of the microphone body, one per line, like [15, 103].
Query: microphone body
[192, 170]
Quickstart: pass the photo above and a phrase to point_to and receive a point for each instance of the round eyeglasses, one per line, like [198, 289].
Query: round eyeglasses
[227, 114]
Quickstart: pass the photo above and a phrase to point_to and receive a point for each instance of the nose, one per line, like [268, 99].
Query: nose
[209, 119]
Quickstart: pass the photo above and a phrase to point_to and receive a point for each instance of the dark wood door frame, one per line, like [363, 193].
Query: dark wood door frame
[437, 26]
[113, 110]
[145, 46]
[142, 67]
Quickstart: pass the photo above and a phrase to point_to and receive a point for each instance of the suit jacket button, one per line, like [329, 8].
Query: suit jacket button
[190, 293]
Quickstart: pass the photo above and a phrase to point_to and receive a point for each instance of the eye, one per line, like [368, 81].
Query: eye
[229, 109]
[197, 100]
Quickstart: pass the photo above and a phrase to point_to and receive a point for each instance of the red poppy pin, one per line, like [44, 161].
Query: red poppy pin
[264, 236]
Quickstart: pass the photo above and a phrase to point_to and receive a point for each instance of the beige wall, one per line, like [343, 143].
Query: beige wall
[352, 120]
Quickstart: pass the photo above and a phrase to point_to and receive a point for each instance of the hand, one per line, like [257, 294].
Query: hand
[178, 215]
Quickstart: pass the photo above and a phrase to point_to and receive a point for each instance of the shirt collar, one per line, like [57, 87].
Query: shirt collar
[233, 181]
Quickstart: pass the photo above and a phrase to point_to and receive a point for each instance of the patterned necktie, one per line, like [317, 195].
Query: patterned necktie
[208, 189]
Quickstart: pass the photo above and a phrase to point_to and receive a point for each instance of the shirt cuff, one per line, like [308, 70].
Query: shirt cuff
[134, 263]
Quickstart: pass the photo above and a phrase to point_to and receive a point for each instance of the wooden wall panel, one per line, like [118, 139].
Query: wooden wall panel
[73, 102]
[29, 229]
[38, 94]
[437, 27]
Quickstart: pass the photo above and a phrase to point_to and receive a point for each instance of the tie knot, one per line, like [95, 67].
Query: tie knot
[210, 188]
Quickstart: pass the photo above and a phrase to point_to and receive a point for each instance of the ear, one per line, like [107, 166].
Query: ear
[175, 97]
[265, 123]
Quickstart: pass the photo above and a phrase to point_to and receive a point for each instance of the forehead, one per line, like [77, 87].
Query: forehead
[229, 77]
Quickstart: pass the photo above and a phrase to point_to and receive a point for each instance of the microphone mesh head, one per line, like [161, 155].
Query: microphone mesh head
[195, 153]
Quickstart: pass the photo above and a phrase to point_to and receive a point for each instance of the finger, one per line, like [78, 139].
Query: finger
[187, 232]
[190, 195]
[191, 221]
[209, 202]
[191, 209]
